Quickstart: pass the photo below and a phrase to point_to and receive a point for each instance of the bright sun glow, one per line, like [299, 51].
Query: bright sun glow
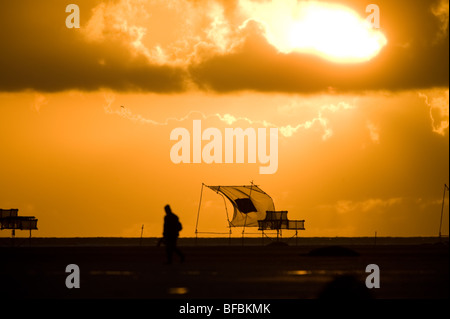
[331, 31]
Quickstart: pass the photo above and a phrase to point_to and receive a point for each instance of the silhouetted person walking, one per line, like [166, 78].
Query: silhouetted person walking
[172, 227]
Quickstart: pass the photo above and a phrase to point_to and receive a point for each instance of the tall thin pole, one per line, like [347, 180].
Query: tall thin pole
[262, 237]
[142, 231]
[245, 220]
[228, 219]
[243, 229]
[198, 214]
[442, 210]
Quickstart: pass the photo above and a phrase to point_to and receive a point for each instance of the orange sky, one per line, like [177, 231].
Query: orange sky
[86, 115]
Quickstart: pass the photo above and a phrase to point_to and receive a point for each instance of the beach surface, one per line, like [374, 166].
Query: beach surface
[303, 268]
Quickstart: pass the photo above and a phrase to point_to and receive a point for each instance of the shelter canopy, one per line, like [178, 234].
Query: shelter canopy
[250, 204]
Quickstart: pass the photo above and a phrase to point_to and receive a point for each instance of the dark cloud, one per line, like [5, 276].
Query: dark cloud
[40, 53]
[395, 68]
[414, 58]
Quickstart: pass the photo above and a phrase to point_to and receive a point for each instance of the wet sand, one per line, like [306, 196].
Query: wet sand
[131, 269]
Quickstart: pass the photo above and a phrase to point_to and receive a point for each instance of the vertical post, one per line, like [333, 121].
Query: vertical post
[142, 231]
[262, 237]
[243, 229]
[228, 219]
[442, 211]
[198, 214]
[245, 221]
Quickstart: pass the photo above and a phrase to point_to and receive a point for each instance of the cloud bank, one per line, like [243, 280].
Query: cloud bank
[212, 45]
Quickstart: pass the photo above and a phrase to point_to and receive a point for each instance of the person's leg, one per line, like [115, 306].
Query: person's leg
[170, 247]
[179, 253]
[177, 250]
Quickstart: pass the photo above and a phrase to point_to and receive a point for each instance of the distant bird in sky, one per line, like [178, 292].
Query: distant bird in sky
[122, 106]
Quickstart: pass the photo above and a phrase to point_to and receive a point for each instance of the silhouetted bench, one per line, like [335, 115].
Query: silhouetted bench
[278, 220]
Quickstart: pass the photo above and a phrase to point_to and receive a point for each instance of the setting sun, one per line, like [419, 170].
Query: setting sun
[331, 31]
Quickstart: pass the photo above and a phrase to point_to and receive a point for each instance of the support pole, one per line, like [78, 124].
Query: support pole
[262, 237]
[228, 218]
[243, 229]
[442, 211]
[245, 221]
[198, 214]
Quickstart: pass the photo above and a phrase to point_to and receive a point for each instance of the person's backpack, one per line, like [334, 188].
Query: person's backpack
[180, 227]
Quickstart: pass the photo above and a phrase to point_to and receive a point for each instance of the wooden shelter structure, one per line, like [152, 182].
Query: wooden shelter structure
[9, 219]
